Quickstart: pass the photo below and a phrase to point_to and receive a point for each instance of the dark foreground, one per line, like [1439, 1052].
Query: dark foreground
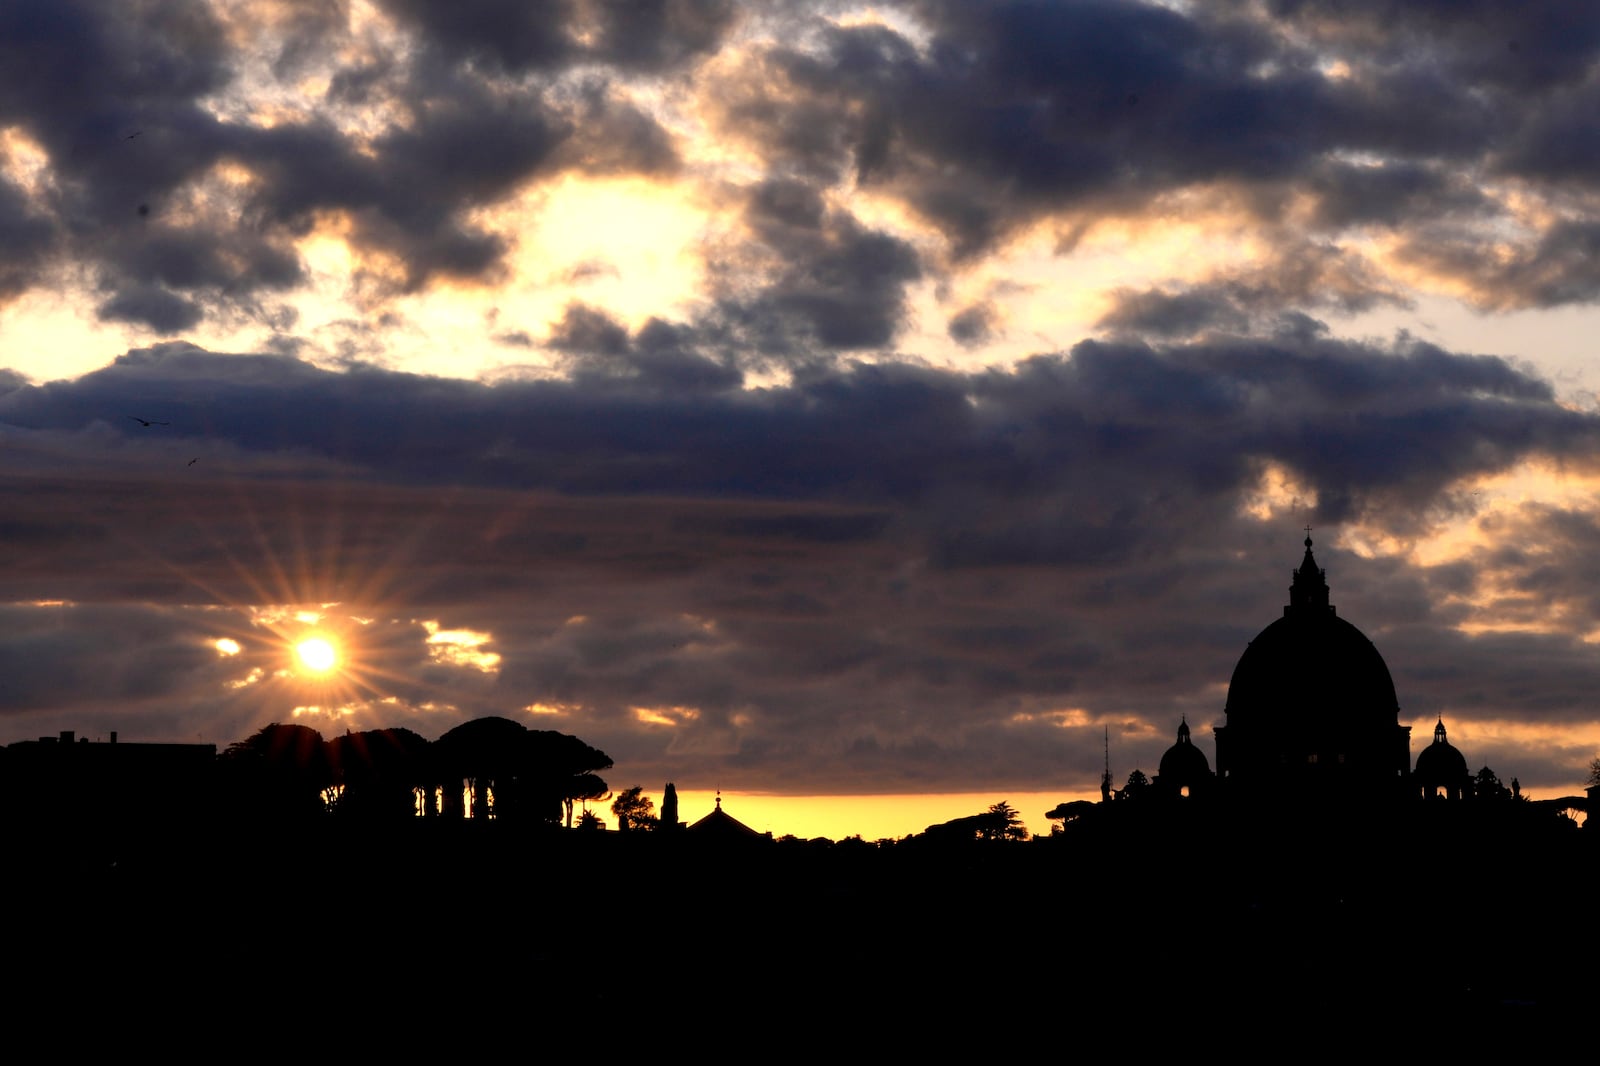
[442, 922]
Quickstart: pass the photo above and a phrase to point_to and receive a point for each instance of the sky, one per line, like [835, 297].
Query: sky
[798, 399]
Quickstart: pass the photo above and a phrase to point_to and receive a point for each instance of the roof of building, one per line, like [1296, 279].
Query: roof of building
[720, 825]
[1183, 763]
[1311, 662]
[1440, 763]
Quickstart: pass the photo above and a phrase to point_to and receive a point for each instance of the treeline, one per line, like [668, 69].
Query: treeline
[485, 768]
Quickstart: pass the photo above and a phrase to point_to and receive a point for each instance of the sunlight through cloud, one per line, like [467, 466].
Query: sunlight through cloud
[1278, 493]
[459, 647]
[553, 709]
[673, 716]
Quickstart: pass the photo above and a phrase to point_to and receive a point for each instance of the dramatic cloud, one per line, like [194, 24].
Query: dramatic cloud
[930, 578]
[809, 397]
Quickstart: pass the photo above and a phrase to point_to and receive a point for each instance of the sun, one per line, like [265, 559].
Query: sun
[317, 654]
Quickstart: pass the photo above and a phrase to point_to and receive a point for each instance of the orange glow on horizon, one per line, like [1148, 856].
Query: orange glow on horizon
[869, 817]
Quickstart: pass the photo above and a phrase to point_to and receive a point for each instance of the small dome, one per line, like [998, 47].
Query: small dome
[1184, 765]
[1440, 764]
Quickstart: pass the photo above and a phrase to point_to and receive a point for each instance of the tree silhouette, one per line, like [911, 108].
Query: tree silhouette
[1068, 812]
[279, 771]
[379, 772]
[1137, 785]
[1593, 780]
[669, 807]
[533, 775]
[1004, 823]
[487, 755]
[999, 822]
[634, 810]
[561, 770]
[584, 787]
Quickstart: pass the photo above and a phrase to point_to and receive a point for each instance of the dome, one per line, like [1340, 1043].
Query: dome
[1441, 768]
[1311, 700]
[1184, 766]
[1316, 664]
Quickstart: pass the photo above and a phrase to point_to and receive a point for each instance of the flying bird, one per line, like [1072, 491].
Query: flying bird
[193, 461]
[132, 135]
[147, 423]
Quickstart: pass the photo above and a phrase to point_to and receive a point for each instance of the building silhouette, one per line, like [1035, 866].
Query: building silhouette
[1185, 772]
[1312, 729]
[1312, 715]
[1441, 771]
[68, 782]
[720, 827]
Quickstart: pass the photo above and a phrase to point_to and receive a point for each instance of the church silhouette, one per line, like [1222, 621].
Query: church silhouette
[1312, 714]
[1312, 728]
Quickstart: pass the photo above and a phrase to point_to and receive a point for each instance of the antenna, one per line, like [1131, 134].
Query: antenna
[1105, 780]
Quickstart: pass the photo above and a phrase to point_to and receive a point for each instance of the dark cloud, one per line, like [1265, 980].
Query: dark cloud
[83, 74]
[27, 237]
[1556, 142]
[1257, 298]
[1393, 195]
[650, 35]
[299, 30]
[972, 326]
[138, 654]
[168, 277]
[1018, 110]
[1361, 423]
[363, 82]
[112, 97]
[661, 355]
[409, 193]
[515, 338]
[926, 578]
[659, 34]
[610, 136]
[983, 120]
[587, 331]
[947, 579]
[1559, 267]
[1543, 564]
[812, 277]
[1175, 314]
[1010, 114]
[1528, 47]
[153, 306]
[119, 102]
[512, 35]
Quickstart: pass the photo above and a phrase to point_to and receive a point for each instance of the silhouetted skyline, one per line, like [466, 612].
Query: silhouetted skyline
[880, 399]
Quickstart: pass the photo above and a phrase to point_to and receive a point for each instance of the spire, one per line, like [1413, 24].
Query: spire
[1310, 588]
[1438, 731]
[1183, 729]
